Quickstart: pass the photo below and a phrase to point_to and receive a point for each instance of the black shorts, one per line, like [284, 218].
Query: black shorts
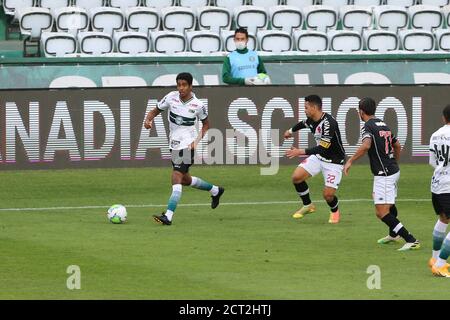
[441, 203]
[182, 159]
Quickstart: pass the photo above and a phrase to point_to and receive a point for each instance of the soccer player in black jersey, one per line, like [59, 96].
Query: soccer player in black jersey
[327, 157]
[383, 149]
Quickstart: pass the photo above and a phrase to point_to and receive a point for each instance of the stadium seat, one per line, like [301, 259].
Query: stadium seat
[131, 43]
[58, 44]
[345, 41]
[95, 43]
[274, 41]
[194, 4]
[142, 19]
[439, 3]
[299, 3]
[391, 17]
[107, 19]
[11, 6]
[286, 18]
[228, 41]
[381, 40]
[443, 39]
[355, 18]
[71, 19]
[310, 41]
[230, 4]
[425, 17]
[417, 40]
[89, 4]
[204, 42]
[54, 4]
[214, 18]
[335, 3]
[158, 4]
[178, 19]
[168, 42]
[34, 21]
[368, 3]
[265, 3]
[251, 17]
[401, 3]
[320, 17]
[124, 4]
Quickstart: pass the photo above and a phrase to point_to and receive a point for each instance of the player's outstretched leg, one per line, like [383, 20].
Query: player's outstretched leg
[333, 203]
[298, 179]
[216, 191]
[392, 236]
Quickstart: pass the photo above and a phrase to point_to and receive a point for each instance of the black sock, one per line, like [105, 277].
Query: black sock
[334, 204]
[393, 223]
[303, 192]
[393, 211]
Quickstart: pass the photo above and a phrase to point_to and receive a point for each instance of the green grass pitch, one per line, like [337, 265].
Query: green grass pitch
[248, 248]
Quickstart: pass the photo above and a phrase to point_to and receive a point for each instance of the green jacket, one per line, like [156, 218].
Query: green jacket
[226, 70]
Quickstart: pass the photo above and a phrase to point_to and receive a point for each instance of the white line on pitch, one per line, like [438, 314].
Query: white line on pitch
[197, 204]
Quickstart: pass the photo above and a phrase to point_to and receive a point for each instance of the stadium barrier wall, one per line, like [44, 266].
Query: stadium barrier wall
[103, 127]
[34, 73]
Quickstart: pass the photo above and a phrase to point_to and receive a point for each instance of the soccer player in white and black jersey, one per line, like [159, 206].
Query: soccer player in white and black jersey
[327, 157]
[383, 149]
[184, 109]
[440, 196]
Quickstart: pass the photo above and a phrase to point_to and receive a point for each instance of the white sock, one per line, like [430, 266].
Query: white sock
[441, 228]
[194, 181]
[169, 214]
[214, 191]
[436, 254]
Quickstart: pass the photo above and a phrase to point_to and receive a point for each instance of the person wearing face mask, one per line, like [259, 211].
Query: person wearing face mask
[242, 66]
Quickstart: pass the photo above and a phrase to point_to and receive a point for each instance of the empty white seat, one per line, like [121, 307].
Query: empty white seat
[95, 43]
[402, 3]
[71, 19]
[228, 41]
[107, 19]
[214, 18]
[286, 18]
[194, 4]
[417, 40]
[58, 44]
[381, 40]
[443, 39]
[391, 17]
[142, 19]
[158, 4]
[132, 43]
[299, 3]
[368, 3]
[425, 17]
[251, 17]
[439, 3]
[335, 3]
[275, 41]
[54, 4]
[355, 18]
[11, 6]
[345, 41]
[124, 4]
[310, 41]
[265, 3]
[168, 42]
[89, 4]
[178, 19]
[34, 21]
[204, 42]
[230, 4]
[320, 17]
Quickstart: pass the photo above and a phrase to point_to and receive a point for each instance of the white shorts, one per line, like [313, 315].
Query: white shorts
[385, 189]
[332, 172]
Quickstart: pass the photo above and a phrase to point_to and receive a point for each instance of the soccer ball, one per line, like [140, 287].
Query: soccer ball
[117, 214]
[262, 79]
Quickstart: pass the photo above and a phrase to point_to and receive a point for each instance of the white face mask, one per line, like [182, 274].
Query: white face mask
[240, 45]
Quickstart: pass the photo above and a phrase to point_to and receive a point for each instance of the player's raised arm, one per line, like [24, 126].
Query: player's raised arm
[288, 133]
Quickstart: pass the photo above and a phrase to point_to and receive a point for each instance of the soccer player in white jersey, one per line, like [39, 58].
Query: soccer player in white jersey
[184, 109]
[440, 196]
